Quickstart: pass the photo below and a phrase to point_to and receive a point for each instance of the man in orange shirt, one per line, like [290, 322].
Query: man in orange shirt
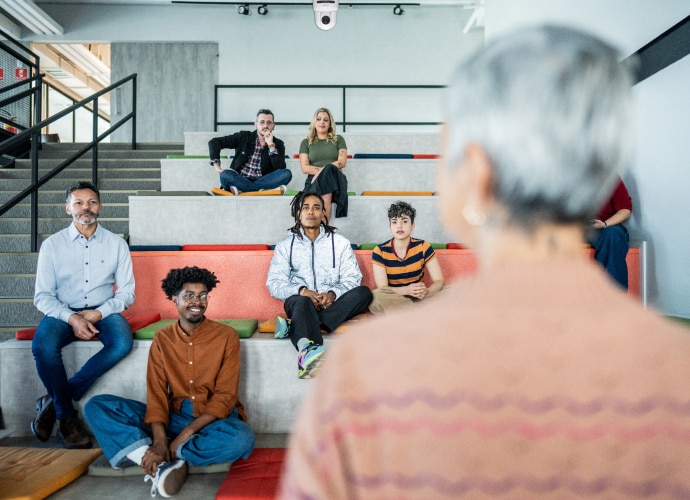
[191, 392]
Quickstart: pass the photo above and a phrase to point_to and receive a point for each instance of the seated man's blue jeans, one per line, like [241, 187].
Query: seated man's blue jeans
[53, 334]
[118, 424]
[610, 250]
[275, 179]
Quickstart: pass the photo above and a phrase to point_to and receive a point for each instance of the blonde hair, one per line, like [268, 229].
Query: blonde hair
[332, 136]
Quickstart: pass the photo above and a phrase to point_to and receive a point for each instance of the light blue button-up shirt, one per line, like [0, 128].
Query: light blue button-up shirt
[76, 273]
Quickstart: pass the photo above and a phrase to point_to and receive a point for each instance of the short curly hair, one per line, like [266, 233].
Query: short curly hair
[400, 208]
[172, 283]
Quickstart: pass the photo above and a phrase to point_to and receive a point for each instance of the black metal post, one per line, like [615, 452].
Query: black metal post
[94, 152]
[134, 112]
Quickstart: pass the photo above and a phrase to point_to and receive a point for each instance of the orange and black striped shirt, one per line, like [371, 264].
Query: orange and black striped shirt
[409, 269]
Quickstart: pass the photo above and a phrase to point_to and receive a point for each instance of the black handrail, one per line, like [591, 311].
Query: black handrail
[343, 122]
[34, 134]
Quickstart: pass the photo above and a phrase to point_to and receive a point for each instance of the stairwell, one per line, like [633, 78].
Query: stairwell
[121, 173]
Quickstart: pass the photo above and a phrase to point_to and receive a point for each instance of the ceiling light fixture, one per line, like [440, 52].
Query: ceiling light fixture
[244, 10]
[398, 10]
[262, 10]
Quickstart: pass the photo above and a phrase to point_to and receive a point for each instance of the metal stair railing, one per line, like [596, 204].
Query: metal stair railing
[33, 133]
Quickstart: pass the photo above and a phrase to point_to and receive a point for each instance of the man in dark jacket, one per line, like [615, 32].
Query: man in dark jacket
[259, 161]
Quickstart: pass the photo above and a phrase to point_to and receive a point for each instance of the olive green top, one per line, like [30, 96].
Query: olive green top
[322, 152]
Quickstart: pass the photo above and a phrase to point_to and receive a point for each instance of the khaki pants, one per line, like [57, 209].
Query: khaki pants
[386, 299]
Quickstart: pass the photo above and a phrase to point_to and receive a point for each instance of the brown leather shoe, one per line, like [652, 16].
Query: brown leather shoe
[73, 433]
[42, 425]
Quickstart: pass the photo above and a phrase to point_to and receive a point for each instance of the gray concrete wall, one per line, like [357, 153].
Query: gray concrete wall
[196, 143]
[362, 175]
[179, 220]
[269, 387]
[174, 88]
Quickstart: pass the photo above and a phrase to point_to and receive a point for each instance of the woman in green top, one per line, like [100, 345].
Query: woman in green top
[322, 156]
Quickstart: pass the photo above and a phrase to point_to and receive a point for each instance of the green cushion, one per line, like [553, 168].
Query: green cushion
[439, 246]
[682, 321]
[149, 331]
[245, 327]
[368, 246]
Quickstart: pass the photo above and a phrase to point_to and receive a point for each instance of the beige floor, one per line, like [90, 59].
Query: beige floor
[197, 487]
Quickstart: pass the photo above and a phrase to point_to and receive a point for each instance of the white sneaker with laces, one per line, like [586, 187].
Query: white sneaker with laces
[169, 478]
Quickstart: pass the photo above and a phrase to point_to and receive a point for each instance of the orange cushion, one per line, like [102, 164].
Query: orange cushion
[136, 322]
[269, 326]
[221, 192]
[397, 193]
[220, 248]
[265, 192]
[425, 157]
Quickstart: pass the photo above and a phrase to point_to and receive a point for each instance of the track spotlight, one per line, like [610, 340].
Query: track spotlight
[398, 10]
[262, 10]
[244, 10]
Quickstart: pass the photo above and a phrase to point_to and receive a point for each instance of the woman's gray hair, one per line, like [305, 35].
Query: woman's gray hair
[553, 109]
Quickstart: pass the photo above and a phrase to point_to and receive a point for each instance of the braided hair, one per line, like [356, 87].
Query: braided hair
[296, 210]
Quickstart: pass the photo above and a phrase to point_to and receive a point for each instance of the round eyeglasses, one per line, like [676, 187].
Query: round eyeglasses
[190, 297]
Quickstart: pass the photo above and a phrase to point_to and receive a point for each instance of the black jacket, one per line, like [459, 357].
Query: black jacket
[243, 143]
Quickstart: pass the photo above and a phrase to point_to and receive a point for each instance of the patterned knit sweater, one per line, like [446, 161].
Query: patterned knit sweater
[534, 380]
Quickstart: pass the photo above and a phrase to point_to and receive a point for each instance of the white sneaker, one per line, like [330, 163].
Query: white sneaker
[282, 188]
[169, 478]
[234, 190]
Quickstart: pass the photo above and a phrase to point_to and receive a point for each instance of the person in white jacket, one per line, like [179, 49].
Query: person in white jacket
[315, 272]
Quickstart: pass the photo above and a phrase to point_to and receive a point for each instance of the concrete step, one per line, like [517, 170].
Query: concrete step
[52, 225]
[10, 243]
[13, 286]
[113, 146]
[57, 196]
[22, 263]
[80, 173]
[132, 184]
[19, 311]
[123, 154]
[86, 163]
[57, 210]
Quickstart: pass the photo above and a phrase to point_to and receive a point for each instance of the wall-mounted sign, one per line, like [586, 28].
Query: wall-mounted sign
[21, 73]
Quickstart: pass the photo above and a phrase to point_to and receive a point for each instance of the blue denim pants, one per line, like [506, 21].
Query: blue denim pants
[118, 424]
[53, 334]
[610, 250]
[273, 180]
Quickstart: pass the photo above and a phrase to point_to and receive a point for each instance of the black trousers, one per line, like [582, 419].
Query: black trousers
[306, 321]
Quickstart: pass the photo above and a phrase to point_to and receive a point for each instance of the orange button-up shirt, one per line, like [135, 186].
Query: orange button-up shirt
[203, 367]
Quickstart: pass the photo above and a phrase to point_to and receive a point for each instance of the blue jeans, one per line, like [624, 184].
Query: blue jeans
[118, 424]
[275, 179]
[53, 334]
[610, 250]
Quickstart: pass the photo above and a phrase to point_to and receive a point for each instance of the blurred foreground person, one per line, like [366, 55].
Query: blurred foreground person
[538, 376]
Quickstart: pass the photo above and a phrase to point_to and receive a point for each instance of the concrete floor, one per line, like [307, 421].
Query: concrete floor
[197, 487]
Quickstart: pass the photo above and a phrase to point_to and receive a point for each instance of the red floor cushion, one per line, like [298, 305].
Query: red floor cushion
[136, 322]
[254, 478]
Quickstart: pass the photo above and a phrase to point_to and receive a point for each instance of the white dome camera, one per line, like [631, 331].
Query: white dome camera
[324, 13]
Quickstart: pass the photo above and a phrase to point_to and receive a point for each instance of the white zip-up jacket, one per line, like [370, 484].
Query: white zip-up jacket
[325, 264]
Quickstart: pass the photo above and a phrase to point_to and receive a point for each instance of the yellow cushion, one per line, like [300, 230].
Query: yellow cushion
[35, 473]
[269, 326]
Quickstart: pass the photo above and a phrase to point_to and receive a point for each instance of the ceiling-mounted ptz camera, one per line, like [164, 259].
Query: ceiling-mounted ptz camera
[324, 13]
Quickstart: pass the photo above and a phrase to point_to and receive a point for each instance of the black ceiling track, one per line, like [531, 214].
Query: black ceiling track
[672, 45]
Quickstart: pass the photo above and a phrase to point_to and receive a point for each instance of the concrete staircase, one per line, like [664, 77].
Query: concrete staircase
[122, 172]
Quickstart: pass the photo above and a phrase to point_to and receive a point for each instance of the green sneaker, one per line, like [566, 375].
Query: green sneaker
[282, 328]
[309, 360]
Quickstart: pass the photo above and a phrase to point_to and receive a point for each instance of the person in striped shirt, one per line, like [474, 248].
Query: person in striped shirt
[399, 264]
